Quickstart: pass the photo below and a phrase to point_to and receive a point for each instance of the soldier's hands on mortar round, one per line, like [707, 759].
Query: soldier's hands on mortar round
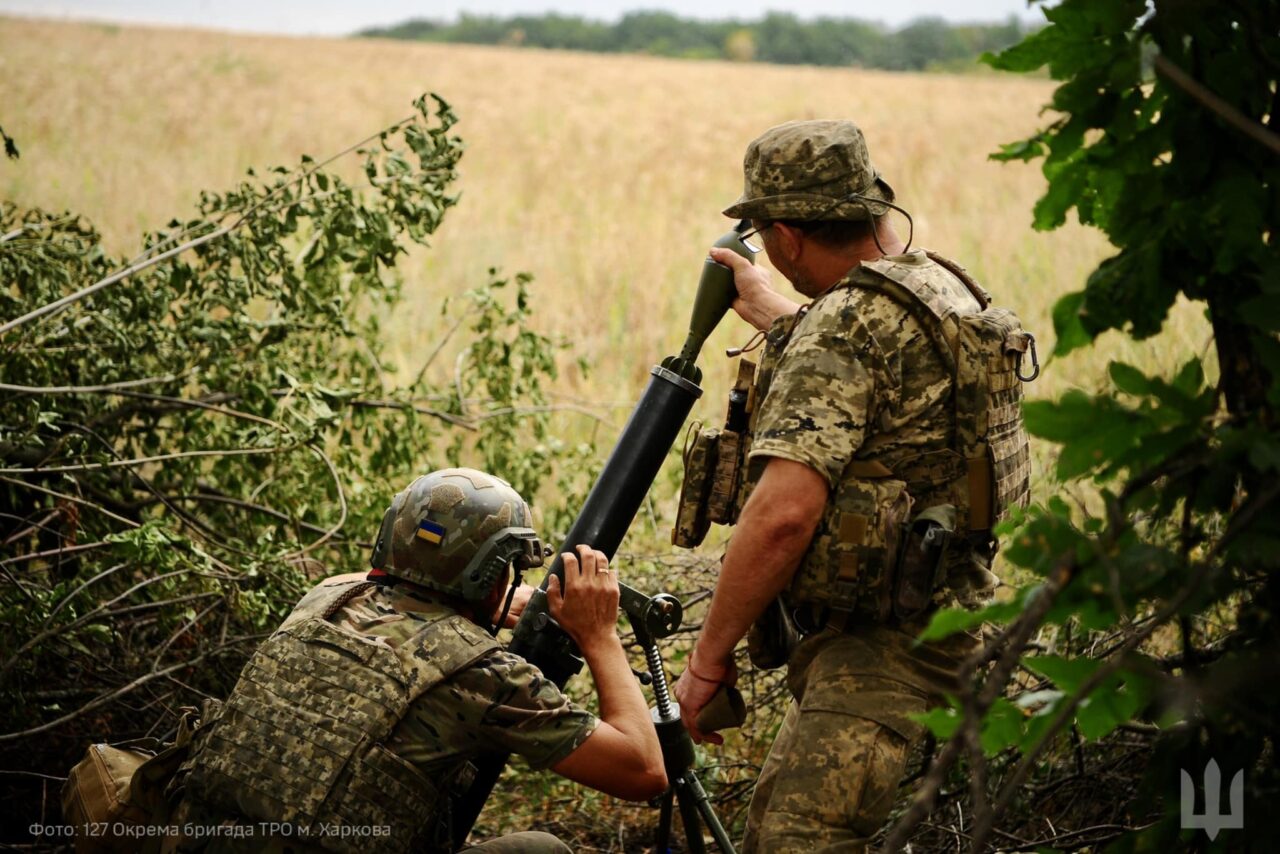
[587, 605]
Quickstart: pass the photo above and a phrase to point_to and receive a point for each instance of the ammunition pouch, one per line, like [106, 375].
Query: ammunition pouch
[713, 463]
[850, 564]
[722, 505]
[692, 520]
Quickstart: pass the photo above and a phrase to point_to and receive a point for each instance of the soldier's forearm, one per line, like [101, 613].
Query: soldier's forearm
[757, 567]
[622, 704]
[770, 538]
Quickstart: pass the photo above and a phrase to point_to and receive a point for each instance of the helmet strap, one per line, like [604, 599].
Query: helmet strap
[506, 606]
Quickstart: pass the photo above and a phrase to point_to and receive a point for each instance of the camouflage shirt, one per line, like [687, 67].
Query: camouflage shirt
[500, 703]
[859, 378]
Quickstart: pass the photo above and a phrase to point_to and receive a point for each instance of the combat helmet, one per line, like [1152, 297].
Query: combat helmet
[456, 531]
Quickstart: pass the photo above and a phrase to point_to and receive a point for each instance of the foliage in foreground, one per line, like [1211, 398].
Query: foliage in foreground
[185, 449]
[1165, 138]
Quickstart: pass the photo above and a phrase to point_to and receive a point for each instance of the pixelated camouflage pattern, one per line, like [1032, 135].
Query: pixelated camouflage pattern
[858, 377]
[982, 349]
[724, 480]
[806, 170]
[700, 456]
[471, 506]
[832, 774]
[303, 736]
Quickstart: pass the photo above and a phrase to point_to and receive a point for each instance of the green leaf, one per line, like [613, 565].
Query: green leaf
[942, 721]
[1023, 150]
[1066, 184]
[1067, 325]
[948, 621]
[1129, 379]
[1060, 420]
[1001, 726]
[1264, 455]
[1066, 673]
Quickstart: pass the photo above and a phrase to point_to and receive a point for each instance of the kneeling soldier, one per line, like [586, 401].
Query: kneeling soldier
[356, 720]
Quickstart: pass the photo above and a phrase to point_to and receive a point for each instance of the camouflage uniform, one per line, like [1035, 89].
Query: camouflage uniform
[494, 701]
[856, 378]
[853, 380]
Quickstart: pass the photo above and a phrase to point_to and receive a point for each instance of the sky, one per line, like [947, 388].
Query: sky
[340, 17]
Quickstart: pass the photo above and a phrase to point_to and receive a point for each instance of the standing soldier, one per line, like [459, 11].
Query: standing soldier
[356, 720]
[883, 442]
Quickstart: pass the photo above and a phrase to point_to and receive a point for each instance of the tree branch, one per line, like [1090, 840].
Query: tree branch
[1215, 104]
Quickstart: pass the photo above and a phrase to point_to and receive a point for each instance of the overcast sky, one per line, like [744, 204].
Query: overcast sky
[336, 17]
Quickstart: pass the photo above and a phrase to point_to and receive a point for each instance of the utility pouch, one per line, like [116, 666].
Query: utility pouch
[700, 456]
[96, 796]
[722, 501]
[850, 562]
[922, 560]
[121, 786]
[772, 637]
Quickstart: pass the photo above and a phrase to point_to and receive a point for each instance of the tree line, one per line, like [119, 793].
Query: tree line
[779, 37]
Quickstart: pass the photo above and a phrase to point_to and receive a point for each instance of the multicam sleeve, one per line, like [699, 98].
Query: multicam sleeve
[504, 703]
[820, 400]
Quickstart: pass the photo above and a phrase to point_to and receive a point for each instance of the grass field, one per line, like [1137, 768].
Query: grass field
[601, 175]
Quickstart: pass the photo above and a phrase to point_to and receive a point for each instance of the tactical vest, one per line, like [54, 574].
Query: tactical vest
[895, 523]
[301, 739]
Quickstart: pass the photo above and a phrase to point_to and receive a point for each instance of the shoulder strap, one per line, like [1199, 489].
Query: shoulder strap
[348, 592]
[894, 281]
[979, 292]
[323, 601]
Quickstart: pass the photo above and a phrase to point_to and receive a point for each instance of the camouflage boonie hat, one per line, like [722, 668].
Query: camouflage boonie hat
[808, 170]
[456, 531]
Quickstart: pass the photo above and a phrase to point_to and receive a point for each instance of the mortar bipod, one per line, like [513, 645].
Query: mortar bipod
[653, 618]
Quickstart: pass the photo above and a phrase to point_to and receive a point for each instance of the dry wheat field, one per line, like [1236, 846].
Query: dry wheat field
[603, 176]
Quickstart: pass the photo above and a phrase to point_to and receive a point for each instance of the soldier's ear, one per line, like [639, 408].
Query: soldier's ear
[789, 240]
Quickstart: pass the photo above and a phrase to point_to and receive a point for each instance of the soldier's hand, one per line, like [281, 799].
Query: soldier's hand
[694, 690]
[587, 606]
[757, 303]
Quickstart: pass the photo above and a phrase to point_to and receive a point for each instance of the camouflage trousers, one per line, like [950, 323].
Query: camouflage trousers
[832, 774]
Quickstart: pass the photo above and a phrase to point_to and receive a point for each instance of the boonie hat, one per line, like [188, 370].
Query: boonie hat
[810, 170]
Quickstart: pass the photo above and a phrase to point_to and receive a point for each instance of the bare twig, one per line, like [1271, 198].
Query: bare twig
[138, 461]
[64, 550]
[1213, 102]
[32, 774]
[151, 260]
[1066, 712]
[456, 420]
[104, 699]
[7, 665]
[342, 503]
[211, 407]
[1007, 646]
[87, 389]
[74, 593]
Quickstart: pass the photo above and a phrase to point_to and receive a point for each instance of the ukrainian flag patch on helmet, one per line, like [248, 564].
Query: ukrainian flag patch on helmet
[430, 531]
